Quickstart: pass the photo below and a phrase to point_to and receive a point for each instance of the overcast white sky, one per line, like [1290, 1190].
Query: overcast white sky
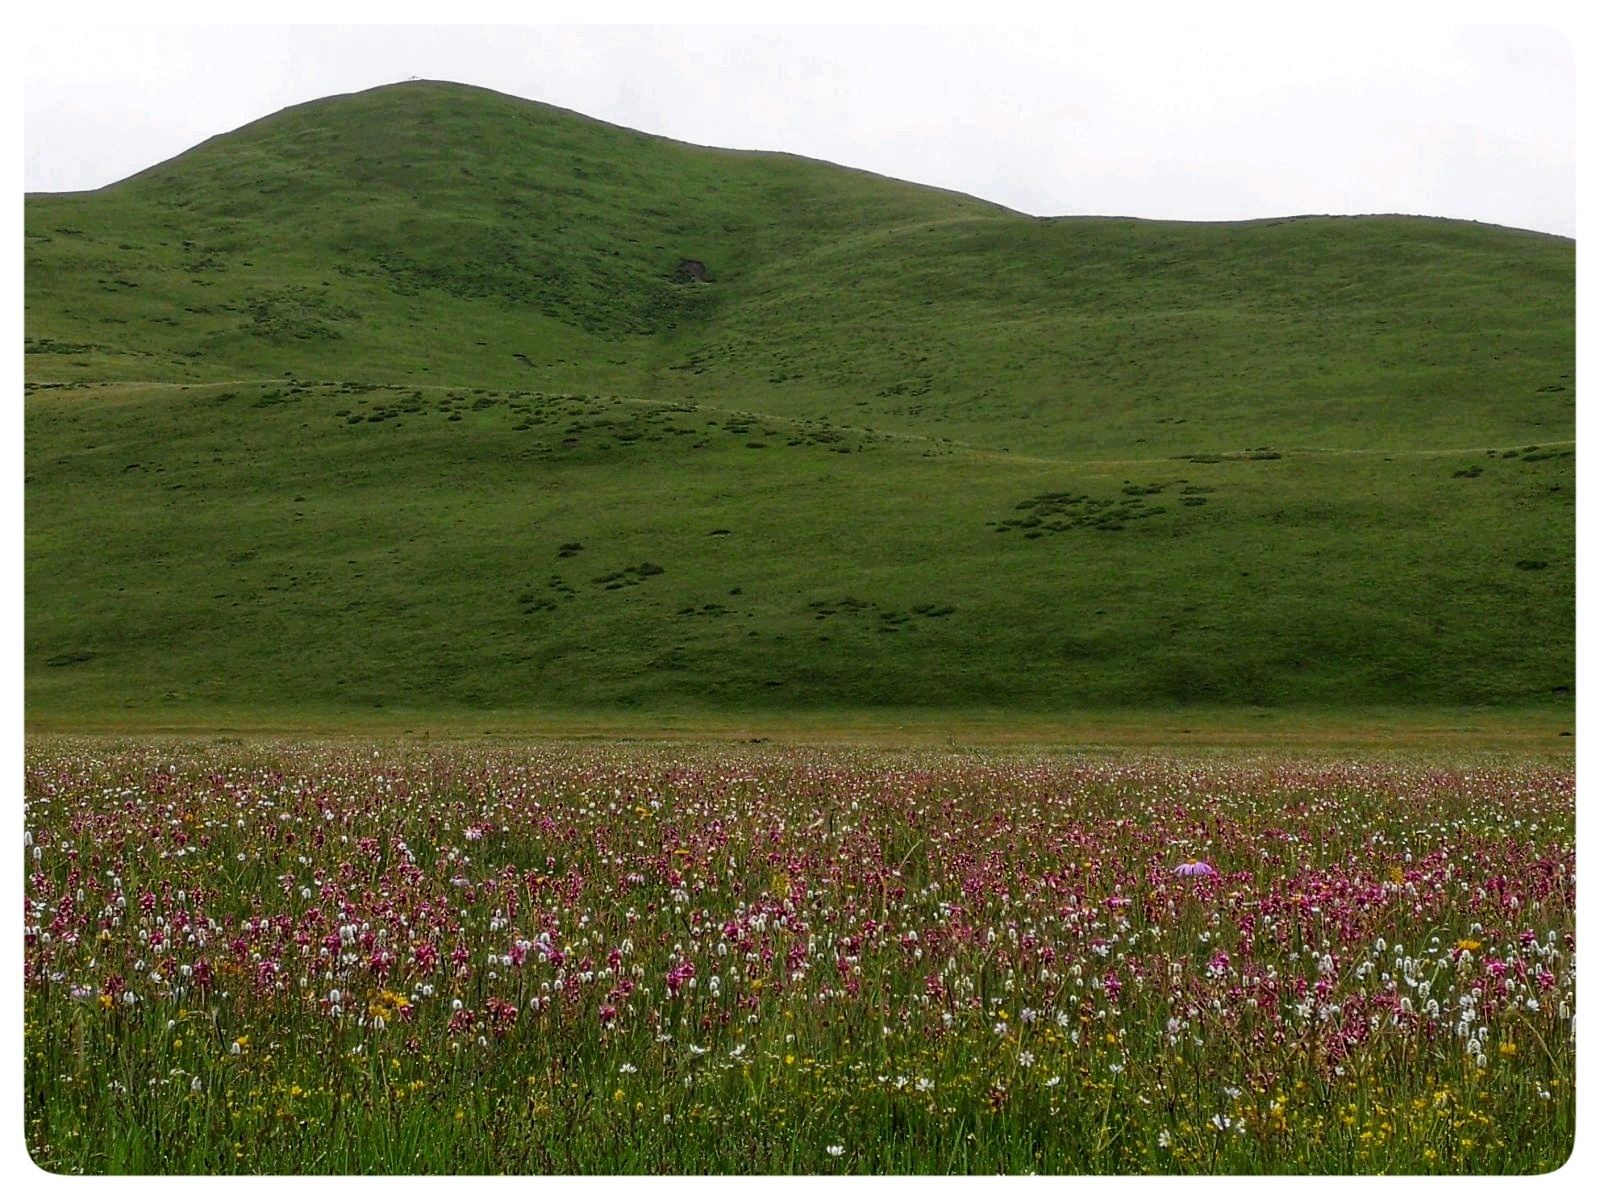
[1150, 113]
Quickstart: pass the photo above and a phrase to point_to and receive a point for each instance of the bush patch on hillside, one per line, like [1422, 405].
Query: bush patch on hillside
[1059, 512]
[710, 609]
[888, 620]
[628, 576]
[1259, 454]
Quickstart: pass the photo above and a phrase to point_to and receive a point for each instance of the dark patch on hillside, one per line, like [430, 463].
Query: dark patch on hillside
[887, 620]
[1059, 512]
[69, 659]
[594, 290]
[708, 609]
[46, 345]
[1259, 454]
[628, 576]
[555, 589]
[295, 314]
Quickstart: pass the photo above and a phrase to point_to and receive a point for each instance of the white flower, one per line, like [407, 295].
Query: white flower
[1164, 1138]
[836, 1151]
[195, 1085]
[1026, 1058]
[627, 1069]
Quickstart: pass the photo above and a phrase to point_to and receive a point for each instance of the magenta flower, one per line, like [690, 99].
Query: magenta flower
[1194, 868]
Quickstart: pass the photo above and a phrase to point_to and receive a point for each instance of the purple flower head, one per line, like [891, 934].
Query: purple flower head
[1194, 868]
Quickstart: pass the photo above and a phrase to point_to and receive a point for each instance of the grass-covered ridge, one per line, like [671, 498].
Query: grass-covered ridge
[432, 398]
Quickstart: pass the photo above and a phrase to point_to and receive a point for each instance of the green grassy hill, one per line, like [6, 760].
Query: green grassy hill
[431, 399]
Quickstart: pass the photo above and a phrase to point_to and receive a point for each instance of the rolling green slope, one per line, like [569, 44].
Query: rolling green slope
[417, 399]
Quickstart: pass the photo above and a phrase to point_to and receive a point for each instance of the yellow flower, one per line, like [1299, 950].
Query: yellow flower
[1470, 944]
[1509, 1049]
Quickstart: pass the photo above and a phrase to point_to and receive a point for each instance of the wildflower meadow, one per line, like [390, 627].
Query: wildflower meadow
[340, 957]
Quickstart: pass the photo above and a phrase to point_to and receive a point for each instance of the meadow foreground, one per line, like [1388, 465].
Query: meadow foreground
[389, 957]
